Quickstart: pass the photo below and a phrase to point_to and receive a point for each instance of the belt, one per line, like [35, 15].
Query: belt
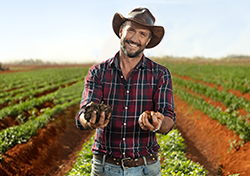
[128, 162]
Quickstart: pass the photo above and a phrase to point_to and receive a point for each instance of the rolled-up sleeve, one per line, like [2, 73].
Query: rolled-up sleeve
[163, 97]
[92, 92]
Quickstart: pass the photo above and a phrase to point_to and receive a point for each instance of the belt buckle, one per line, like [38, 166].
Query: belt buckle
[122, 162]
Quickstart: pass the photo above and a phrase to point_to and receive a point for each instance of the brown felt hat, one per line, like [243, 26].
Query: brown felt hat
[143, 17]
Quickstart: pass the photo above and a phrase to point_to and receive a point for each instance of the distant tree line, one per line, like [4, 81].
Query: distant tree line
[237, 57]
[32, 62]
[229, 57]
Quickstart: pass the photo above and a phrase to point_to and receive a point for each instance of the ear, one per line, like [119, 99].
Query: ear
[149, 39]
[120, 32]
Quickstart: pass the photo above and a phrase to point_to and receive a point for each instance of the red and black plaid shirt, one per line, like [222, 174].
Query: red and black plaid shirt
[149, 87]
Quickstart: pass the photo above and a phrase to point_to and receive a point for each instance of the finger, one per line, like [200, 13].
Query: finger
[90, 103]
[159, 115]
[158, 119]
[152, 113]
[142, 117]
[154, 120]
[147, 124]
[142, 124]
[108, 119]
[102, 118]
[143, 127]
[93, 118]
[140, 120]
[106, 122]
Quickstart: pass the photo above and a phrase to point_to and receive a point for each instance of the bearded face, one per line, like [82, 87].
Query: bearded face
[133, 49]
[134, 38]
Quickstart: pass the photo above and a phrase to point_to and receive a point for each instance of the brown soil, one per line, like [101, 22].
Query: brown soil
[208, 142]
[24, 68]
[52, 152]
[3, 105]
[239, 94]
[8, 122]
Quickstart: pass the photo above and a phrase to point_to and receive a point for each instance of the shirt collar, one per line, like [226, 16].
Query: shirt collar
[114, 62]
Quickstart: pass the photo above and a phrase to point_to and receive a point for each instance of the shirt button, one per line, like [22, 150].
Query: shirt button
[123, 153]
[124, 124]
[124, 139]
[121, 76]
[126, 107]
[127, 91]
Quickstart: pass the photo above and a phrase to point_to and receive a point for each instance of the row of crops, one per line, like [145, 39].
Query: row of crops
[191, 80]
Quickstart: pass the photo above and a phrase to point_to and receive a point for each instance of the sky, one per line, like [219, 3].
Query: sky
[81, 31]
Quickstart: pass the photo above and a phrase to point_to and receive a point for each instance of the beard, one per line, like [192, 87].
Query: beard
[132, 54]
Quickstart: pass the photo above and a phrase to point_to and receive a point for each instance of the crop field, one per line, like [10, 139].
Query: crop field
[213, 113]
[38, 135]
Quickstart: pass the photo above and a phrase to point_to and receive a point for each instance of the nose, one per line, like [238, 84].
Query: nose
[135, 38]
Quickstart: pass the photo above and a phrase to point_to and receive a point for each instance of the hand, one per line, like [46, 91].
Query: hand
[102, 122]
[91, 124]
[157, 119]
[96, 115]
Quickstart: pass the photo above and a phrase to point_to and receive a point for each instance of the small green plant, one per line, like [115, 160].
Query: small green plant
[234, 144]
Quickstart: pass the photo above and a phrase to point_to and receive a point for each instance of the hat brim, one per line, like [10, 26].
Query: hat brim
[157, 31]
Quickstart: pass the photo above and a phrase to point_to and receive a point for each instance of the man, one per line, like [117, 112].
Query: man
[131, 84]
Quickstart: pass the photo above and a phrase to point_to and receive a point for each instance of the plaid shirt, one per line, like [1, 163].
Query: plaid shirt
[149, 87]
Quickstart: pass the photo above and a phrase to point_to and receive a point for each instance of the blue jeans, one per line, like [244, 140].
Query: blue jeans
[100, 168]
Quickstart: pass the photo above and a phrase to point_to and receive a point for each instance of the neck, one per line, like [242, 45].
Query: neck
[127, 64]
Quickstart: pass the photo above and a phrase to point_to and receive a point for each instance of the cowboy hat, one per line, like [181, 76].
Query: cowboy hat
[143, 17]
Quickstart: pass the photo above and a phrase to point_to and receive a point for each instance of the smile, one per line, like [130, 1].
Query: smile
[133, 44]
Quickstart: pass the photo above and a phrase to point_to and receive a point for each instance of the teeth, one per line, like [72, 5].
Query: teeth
[133, 45]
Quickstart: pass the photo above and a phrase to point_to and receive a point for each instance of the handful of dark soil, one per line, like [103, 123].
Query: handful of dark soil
[98, 108]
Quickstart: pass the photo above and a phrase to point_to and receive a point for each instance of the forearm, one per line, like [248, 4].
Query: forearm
[166, 126]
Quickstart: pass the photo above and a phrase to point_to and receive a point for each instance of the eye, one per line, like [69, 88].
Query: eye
[130, 29]
[143, 34]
